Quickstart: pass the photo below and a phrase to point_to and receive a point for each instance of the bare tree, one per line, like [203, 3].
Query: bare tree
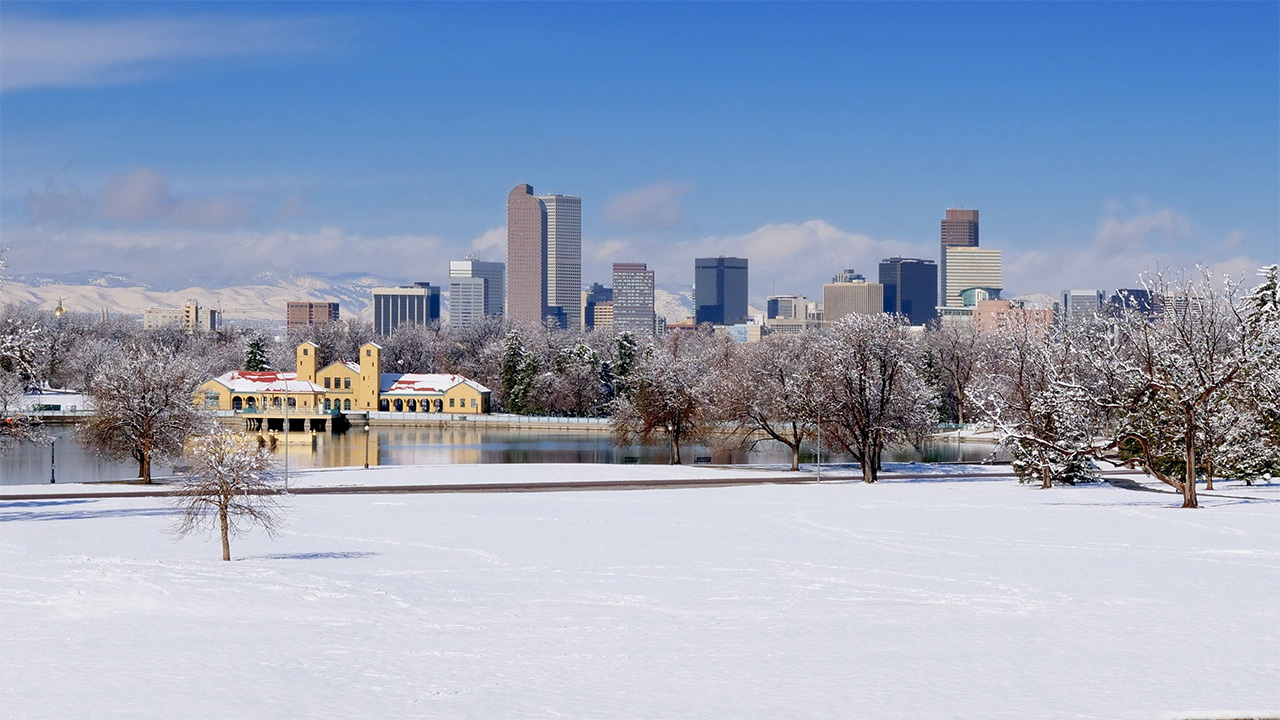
[231, 486]
[671, 393]
[874, 393]
[144, 405]
[772, 387]
[956, 353]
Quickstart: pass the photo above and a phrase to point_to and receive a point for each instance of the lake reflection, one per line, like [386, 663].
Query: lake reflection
[27, 464]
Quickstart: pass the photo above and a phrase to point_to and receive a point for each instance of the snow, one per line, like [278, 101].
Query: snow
[266, 381]
[946, 597]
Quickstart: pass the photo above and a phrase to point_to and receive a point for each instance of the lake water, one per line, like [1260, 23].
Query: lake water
[27, 464]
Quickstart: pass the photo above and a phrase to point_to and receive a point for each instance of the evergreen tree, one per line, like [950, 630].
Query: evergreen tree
[520, 369]
[255, 354]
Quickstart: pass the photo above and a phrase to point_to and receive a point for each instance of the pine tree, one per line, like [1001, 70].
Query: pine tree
[255, 354]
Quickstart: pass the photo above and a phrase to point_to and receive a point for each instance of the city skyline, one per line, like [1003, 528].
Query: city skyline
[285, 138]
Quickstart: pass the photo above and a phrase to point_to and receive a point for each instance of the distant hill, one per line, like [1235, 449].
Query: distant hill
[260, 302]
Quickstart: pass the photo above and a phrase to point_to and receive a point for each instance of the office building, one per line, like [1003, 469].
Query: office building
[602, 317]
[526, 286]
[720, 290]
[968, 267]
[466, 301]
[632, 299]
[192, 318]
[1134, 298]
[994, 316]
[300, 314]
[416, 304]
[848, 276]
[1082, 303]
[847, 298]
[959, 229]
[494, 276]
[910, 288]
[564, 257]
[785, 307]
[591, 297]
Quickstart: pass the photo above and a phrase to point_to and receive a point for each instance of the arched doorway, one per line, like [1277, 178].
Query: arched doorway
[237, 403]
[399, 405]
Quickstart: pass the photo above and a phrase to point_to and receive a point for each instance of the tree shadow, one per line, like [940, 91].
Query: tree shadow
[39, 516]
[347, 555]
[39, 503]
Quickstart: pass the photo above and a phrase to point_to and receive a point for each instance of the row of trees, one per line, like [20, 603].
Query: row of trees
[1192, 392]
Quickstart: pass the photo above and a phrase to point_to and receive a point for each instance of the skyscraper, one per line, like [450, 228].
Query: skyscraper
[959, 229]
[910, 288]
[416, 304]
[968, 267]
[633, 298]
[564, 255]
[719, 290]
[491, 273]
[785, 307]
[526, 284]
[466, 301]
[1082, 303]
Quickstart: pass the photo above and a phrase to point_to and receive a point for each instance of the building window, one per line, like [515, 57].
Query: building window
[346, 383]
[326, 383]
[368, 353]
[473, 403]
[327, 404]
[346, 404]
[211, 399]
[305, 351]
[450, 402]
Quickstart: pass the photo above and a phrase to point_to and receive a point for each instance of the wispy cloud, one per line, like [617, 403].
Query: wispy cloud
[1132, 238]
[652, 206]
[139, 196]
[42, 52]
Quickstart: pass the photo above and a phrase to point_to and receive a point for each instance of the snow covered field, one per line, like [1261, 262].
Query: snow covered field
[966, 598]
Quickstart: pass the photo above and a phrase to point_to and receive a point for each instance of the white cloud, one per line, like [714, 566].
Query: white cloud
[37, 52]
[786, 257]
[653, 206]
[1130, 240]
[491, 244]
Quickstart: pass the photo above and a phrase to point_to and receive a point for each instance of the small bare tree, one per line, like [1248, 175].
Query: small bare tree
[231, 487]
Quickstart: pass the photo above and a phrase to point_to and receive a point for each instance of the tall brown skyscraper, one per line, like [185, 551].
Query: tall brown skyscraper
[526, 255]
[959, 229]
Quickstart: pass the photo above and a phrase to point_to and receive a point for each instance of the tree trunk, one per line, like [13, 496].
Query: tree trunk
[1189, 481]
[675, 448]
[144, 467]
[1208, 475]
[222, 526]
[868, 465]
[1046, 480]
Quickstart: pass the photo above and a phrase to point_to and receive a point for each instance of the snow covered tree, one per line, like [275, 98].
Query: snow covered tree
[255, 353]
[773, 388]
[671, 396]
[520, 370]
[626, 353]
[577, 386]
[1035, 396]
[143, 397]
[873, 392]
[16, 424]
[1172, 368]
[232, 486]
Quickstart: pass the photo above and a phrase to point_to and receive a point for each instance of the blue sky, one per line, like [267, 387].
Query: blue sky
[202, 141]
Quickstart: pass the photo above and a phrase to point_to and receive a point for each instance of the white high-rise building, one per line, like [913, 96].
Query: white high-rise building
[465, 307]
[968, 267]
[1083, 303]
[564, 255]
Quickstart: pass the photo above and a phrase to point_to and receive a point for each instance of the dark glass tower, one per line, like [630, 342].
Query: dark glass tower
[720, 290]
[910, 288]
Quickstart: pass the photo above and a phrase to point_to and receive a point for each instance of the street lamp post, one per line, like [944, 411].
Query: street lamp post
[366, 444]
[286, 434]
[819, 447]
[53, 461]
